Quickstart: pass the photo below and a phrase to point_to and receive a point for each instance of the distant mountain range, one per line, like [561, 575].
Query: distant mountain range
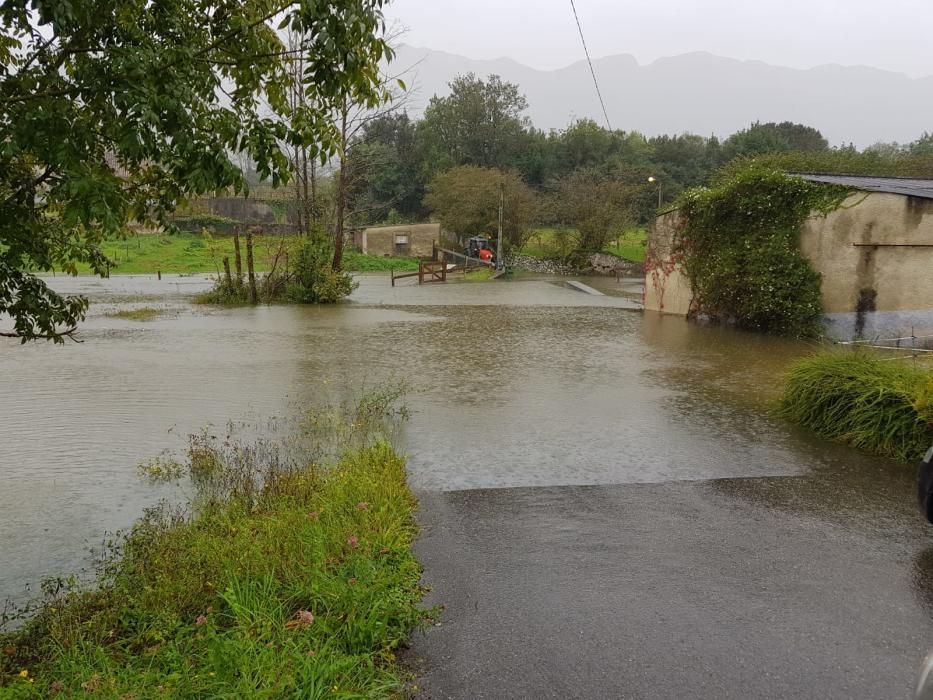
[698, 93]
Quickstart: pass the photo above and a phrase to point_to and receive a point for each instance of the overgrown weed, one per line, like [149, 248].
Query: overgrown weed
[289, 574]
[863, 400]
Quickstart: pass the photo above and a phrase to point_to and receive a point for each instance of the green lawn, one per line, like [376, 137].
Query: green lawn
[555, 242]
[193, 252]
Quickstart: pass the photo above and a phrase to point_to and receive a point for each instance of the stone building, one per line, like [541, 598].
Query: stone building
[415, 240]
[875, 255]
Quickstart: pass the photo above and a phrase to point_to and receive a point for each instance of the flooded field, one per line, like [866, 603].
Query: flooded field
[520, 383]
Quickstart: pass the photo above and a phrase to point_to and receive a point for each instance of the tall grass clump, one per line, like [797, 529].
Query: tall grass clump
[286, 577]
[885, 407]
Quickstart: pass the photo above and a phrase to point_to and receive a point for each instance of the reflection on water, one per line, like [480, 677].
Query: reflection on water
[516, 384]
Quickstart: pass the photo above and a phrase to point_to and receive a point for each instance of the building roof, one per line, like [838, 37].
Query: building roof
[893, 185]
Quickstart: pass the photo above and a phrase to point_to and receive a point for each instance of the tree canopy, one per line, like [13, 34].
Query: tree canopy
[466, 202]
[118, 110]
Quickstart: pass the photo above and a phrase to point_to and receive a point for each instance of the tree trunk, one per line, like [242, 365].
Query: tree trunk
[227, 271]
[341, 194]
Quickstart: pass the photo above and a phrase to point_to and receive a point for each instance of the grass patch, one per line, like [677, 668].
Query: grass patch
[357, 262]
[479, 275]
[147, 313]
[558, 243]
[284, 579]
[859, 399]
[146, 254]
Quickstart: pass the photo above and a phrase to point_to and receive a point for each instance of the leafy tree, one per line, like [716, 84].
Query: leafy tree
[597, 207]
[394, 178]
[466, 202]
[479, 123]
[922, 146]
[775, 138]
[115, 110]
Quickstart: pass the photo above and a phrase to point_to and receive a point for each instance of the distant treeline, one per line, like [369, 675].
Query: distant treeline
[394, 158]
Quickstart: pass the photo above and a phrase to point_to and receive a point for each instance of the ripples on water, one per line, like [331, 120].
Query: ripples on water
[517, 384]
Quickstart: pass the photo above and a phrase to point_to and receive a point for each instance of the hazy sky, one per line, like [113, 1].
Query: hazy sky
[894, 34]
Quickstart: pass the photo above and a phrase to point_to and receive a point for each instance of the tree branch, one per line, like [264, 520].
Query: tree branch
[45, 336]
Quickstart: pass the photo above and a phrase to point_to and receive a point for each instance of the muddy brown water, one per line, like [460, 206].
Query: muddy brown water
[521, 383]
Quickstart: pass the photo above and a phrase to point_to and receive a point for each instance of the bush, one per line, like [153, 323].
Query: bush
[313, 280]
[291, 579]
[309, 279]
[197, 222]
[861, 400]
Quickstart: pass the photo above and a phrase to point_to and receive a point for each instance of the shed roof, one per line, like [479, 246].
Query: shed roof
[908, 187]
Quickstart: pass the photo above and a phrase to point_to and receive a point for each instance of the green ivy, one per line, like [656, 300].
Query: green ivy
[741, 250]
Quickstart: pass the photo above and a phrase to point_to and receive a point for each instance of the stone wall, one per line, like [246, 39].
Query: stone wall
[667, 288]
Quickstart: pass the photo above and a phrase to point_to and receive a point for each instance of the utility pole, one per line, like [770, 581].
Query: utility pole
[499, 261]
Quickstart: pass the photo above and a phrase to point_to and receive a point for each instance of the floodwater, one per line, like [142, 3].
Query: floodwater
[516, 383]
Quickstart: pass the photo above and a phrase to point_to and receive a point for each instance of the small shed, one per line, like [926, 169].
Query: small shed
[407, 240]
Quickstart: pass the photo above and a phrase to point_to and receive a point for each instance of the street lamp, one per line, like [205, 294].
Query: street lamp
[653, 180]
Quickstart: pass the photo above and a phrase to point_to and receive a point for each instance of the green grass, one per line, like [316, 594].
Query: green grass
[298, 584]
[557, 243]
[146, 254]
[357, 262]
[479, 275]
[884, 407]
[146, 313]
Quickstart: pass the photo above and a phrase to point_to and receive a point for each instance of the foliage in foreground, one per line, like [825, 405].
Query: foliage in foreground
[741, 250]
[294, 581]
[861, 400]
[153, 97]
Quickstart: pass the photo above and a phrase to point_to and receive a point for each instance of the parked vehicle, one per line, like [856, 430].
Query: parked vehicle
[476, 244]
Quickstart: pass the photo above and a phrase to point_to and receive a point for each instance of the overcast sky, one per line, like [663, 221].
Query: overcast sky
[894, 34]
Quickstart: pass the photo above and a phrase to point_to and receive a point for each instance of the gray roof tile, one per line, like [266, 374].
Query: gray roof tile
[893, 185]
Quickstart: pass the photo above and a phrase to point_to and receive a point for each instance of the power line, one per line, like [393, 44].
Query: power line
[590, 61]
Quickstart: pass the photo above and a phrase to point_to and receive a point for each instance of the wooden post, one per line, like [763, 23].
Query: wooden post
[250, 270]
[237, 258]
[159, 274]
[227, 271]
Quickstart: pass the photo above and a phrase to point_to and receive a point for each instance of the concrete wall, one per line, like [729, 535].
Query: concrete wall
[875, 254]
[380, 240]
[667, 288]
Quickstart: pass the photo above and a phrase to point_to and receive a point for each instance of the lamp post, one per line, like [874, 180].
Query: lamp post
[653, 180]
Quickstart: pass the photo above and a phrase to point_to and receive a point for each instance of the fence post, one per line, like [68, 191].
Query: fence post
[237, 258]
[253, 292]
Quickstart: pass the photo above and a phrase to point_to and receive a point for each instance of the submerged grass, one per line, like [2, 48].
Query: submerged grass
[284, 579]
[862, 400]
[147, 313]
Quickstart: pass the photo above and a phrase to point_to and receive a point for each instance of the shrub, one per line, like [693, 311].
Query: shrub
[313, 280]
[309, 279]
[861, 400]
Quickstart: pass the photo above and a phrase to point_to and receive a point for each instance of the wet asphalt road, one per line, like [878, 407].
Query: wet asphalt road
[817, 586]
